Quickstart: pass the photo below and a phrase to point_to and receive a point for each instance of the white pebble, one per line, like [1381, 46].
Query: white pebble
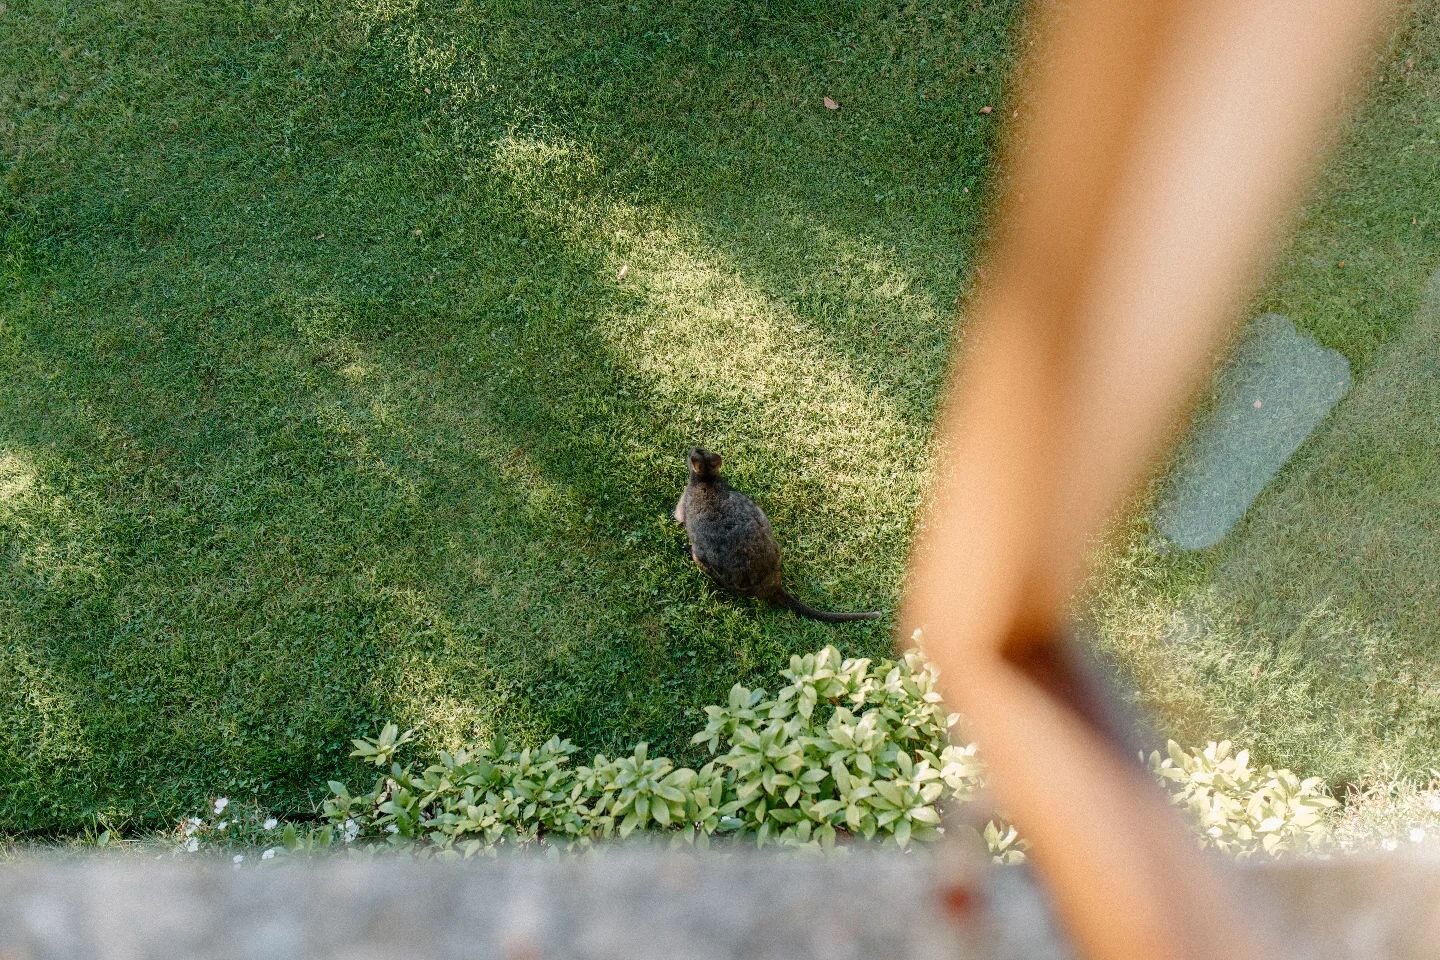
[221, 804]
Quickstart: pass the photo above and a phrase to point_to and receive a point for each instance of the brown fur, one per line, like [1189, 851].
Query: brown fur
[731, 540]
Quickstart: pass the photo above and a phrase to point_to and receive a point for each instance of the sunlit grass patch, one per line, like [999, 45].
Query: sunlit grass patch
[17, 478]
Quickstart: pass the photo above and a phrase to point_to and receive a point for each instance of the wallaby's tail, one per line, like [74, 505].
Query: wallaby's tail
[783, 599]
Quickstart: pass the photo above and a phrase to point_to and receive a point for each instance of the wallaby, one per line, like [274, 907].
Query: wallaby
[731, 540]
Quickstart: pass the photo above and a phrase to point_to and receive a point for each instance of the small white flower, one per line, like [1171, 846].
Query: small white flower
[1389, 843]
[221, 804]
[191, 827]
[1417, 834]
[268, 854]
[193, 821]
[238, 858]
[391, 828]
[1432, 803]
[352, 829]
[192, 845]
[270, 823]
[222, 824]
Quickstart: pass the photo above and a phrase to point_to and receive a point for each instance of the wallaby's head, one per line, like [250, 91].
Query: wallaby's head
[703, 463]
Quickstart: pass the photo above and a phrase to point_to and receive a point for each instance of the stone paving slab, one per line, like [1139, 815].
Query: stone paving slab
[1277, 387]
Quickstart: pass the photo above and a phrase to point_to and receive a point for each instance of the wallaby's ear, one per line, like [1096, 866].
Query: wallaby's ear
[715, 461]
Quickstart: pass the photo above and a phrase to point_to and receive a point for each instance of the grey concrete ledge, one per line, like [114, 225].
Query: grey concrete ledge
[642, 904]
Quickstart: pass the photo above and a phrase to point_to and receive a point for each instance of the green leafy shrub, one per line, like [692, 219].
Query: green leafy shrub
[640, 791]
[1242, 809]
[845, 749]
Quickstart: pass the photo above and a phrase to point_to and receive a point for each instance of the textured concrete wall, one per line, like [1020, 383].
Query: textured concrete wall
[637, 905]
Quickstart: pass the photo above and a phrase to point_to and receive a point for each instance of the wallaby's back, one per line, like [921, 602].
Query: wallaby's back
[732, 541]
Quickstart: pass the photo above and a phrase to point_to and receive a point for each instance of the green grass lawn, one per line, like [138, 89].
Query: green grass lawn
[349, 353]
[324, 403]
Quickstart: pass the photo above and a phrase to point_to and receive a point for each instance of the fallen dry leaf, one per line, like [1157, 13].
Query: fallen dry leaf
[986, 109]
[831, 104]
[624, 269]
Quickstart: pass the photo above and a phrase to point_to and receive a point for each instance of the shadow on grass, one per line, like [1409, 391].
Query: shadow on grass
[321, 361]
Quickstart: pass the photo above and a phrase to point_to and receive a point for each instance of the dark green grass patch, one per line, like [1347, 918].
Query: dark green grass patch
[325, 402]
